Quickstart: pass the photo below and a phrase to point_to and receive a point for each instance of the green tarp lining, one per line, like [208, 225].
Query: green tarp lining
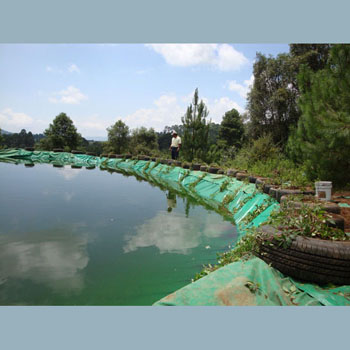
[250, 282]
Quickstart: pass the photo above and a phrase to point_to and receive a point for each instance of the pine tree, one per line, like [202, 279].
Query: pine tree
[196, 130]
[323, 135]
[231, 129]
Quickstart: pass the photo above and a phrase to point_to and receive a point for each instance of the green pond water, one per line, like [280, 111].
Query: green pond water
[89, 237]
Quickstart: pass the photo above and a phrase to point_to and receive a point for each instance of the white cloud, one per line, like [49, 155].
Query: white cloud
[220, 106]
[49, 69]
[71, 95]
[168, 110]
[73, 68]
[242, 89]
[10, 119]
[223, 57]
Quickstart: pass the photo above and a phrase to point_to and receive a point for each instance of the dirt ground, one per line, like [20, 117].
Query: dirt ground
[339, 197]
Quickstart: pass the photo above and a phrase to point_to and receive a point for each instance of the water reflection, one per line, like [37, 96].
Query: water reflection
[55, 259]
[171, 199]
[175, 233]
[68, 173]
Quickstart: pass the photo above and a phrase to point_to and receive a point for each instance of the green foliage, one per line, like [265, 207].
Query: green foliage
[196, 130]
[304, 221]
[322, 139]
[118, 137]
[18, 140]
[144, 141]
[231, 129]
[61, 133]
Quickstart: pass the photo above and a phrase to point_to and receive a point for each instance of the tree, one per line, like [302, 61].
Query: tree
[322, 139]
[272, 100]
[196, 130]
[118, 137]
[231, 129]
[61, 133]
[144, 141]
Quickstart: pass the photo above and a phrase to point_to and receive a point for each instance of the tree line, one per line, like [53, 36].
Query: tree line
[297, 111]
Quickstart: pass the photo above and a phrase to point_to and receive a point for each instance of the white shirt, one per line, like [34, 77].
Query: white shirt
[175, 141]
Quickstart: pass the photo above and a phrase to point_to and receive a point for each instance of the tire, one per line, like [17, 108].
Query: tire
[213, 170]
[57, 165]
[272, 192]
[127, 156]
[221, 171]
[76, 166]
[178, 163]
[186, 166]
[196, 167]
[104, 155]
[146, 158]
[203, 168]
[91, 154]
[170, 161]
[327, 206]
[112, 156]
[29, 165]
[29, 149]
[241, 176]
[153, 159]
[58, 150]
[308, 259]
[338, 221]
[90, 167]
[232, 172]
[77, 152]
[252, 179]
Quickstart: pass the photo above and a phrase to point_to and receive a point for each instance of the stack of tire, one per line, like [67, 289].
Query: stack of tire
[307, 259]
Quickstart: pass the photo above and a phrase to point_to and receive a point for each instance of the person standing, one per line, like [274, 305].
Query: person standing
[175, 145]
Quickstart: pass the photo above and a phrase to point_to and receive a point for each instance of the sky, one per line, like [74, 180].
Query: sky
[147, 85]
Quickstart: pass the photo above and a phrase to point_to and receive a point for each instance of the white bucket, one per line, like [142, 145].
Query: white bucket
[323, 190]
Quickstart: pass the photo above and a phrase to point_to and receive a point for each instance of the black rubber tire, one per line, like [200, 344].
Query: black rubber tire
[127, 156]
[153, 159]
[203, 168]
[232, 172]
[178, 163]
[213, 170]
[31, 149]
[309, 259]
[90, 167]
[91, 154]
[186, 166]
[29, 165]
[252, 179]
[112, 156]
[221, 171]
[104, 155]
[58, 150]
[170, 161]
[76, 166]
[57, 165]
[164, 161]
[338, 221]
[196, 167]
[327, 206]
[146, 158]
[77, 152]
[273, 192]
[241, 176]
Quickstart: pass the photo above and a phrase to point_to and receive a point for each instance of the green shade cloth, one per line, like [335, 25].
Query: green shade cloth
[250, 282]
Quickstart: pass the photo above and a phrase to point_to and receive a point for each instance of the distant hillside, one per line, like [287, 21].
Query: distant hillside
[4, 132]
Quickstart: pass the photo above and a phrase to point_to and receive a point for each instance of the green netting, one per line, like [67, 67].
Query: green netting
[251, 282]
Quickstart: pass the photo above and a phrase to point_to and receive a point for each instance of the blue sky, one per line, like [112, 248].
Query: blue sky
[144, 85]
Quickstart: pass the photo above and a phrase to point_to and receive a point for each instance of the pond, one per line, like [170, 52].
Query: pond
[90, 237]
